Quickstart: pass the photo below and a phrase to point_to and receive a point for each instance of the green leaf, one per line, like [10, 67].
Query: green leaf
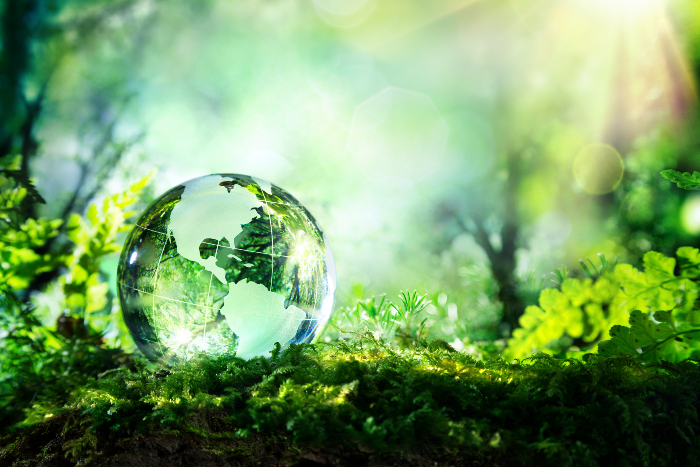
[597, 323]
[689, 261]
[658, 338]
[604, 290]
[532, 317]
[574, 318]
[75, 301]
[646, 332]
[608, 348]
[665, 317]
[657, 288]
[578, 291]
[553, 300]
[92, 214]
[24, 181]
[74, 222]
[77, 275]
[658, 267]
[684, 180]
[623, 339]
[694, 315]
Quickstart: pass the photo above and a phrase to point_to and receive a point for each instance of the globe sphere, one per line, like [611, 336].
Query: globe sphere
[225, 264]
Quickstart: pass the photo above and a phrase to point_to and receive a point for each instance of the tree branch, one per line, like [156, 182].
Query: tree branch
[481, 237]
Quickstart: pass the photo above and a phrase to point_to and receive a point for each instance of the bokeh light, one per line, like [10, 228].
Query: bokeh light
[690, 215]
[598, 168]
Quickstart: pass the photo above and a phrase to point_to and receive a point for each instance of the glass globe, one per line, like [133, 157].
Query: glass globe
[225, 264]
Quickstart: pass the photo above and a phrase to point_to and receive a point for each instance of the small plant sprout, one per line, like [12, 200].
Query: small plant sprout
[595, 271]
[560, 275]
[411, 306]
[382, 318]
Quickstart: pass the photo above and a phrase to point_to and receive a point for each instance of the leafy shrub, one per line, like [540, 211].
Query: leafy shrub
[36, 361]
[660, 303]
[664, 295]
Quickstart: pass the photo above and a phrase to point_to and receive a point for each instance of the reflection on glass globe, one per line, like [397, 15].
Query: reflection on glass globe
[225, 264]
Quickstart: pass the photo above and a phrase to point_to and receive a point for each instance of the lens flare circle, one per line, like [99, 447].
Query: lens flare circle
[598, 169]
[690, 215]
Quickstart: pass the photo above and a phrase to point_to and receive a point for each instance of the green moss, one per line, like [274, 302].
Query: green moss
[374, 397]
[81, 448]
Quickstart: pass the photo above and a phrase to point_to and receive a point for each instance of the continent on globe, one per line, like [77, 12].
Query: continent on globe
[216, 215]
[258, 317]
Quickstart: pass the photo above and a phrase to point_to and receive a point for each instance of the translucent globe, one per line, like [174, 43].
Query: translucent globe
[225, 264]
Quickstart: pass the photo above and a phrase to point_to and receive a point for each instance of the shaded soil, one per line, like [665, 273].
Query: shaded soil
[61, 441]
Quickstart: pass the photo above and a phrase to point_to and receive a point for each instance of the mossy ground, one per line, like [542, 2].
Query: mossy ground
[362, 402]
[51, 444]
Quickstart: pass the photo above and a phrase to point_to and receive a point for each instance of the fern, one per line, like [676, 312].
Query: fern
[10, 168]
[664, 316]
[588, 310]
[664, 322]
[684, 180]
[582, 309]
[653, 338]
[94, 237]
[21, 238]
[38, 362]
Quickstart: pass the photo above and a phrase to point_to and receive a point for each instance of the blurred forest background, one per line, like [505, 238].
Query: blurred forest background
[461, 148]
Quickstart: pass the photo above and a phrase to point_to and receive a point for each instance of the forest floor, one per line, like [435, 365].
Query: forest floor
[365, 403]
[59, 442]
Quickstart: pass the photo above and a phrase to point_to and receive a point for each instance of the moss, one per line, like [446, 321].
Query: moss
[362, 396]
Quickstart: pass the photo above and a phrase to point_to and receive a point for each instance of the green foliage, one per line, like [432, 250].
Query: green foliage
[387, 321]
[653, 338]
[581, 309]
[11, 169]
[43, 363]
[410, 331]
[20, 238]
[83, 447]
[94, 237]
[665, 321]
[595, 271]
[660, 303]
[684, 180]
[604, 411]
[415, 322]
[560, 275]
[664, 316]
